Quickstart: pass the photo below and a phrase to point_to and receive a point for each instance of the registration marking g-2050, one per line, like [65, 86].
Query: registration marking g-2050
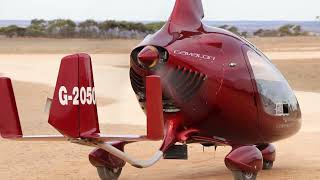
[82, 95]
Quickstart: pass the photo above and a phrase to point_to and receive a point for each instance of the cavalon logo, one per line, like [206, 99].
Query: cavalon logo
[195, 55]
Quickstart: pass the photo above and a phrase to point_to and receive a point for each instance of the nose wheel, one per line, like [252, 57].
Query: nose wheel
[239, 175]
[106, 173]
[108, 166]
[267, 165]
[245, 162]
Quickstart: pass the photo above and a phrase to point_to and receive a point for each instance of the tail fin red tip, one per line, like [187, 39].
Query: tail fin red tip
[10, 127]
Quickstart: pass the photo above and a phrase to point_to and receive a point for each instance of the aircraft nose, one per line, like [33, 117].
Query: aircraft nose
[149, 56]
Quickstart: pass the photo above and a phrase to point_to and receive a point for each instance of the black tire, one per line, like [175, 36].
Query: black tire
[109, 174]
[239, 175]
[267, 165]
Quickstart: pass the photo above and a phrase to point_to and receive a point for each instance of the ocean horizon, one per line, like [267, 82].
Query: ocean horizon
[243, 25]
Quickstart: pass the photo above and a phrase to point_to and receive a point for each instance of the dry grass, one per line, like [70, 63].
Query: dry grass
[64, 46]
[287, 43]
[95, 46]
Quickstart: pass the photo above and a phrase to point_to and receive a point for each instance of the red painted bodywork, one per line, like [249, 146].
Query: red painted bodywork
[268, 152]
[245, 158]
[10, 124]
[81, 120]
[172, 127]
[74, 120]
[154, 109]
[227, 105]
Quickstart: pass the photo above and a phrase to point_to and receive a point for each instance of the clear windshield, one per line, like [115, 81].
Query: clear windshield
[276, 95]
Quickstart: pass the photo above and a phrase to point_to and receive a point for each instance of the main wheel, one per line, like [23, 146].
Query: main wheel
[239, 175]
[267, 165]
[109, 174]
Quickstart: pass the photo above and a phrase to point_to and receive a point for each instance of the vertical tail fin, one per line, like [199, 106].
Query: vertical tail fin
[9, 119]
[73, 111]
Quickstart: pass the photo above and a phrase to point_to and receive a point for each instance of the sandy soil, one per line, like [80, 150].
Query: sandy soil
[34, 77]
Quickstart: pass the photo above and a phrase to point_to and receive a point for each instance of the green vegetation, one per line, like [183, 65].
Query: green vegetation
[1, 30]
[66, 28]
[13, 30]
[285, 30]
[153, 27]
[37, 28]
[61, 28]
[234, 30]
[291, 30]
[123, 29]
[88, 29]
[266, 33]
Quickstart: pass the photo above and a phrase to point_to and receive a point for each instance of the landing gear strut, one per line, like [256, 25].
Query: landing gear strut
[269, 155]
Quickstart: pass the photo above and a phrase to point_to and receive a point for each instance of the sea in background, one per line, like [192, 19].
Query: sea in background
[21, 23]
[249, 26]
[252, 26]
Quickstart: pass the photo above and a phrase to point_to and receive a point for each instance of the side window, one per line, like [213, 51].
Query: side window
[275, 93]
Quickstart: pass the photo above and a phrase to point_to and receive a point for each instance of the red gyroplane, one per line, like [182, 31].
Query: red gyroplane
[196, 84]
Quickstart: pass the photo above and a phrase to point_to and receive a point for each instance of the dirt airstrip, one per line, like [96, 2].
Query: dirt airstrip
[33, 65]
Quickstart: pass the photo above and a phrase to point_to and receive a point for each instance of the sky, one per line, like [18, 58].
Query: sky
[155, 10]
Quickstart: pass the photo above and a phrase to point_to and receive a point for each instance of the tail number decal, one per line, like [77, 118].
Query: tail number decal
[83, 95]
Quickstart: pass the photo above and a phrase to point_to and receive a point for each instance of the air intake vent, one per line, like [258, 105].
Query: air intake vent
[186, 82]
[138, 84]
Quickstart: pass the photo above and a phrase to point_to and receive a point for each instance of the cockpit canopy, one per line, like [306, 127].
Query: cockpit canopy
[276, 95]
